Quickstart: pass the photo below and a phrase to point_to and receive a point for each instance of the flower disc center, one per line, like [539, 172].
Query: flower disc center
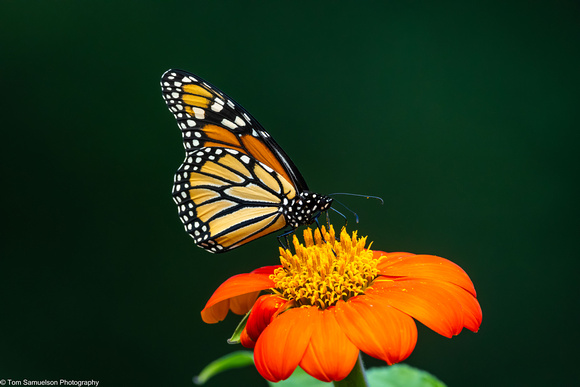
[325, 270]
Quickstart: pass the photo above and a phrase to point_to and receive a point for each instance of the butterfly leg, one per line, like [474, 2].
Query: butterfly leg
[285, 236]
[320, 230]
[327, 226]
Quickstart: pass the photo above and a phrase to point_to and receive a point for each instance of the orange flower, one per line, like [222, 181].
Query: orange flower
[336, 297]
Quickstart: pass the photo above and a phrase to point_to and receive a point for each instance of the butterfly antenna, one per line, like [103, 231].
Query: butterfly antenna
[358, 195]
[348, 209]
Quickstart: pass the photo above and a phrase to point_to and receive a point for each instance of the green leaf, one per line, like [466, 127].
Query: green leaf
[401, 375]
[236, 359]
[300, 379]
[235, 339]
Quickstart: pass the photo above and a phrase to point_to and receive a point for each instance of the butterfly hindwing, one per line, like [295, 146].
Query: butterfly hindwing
[226, 198]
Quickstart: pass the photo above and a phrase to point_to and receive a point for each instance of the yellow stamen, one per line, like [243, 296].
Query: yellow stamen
[324, 270]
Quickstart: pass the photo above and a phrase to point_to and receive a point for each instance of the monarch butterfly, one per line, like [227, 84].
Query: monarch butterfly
[236, 183]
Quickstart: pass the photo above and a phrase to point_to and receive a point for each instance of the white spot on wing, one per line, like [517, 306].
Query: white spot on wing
[199, 113]
[216, 107]
[239, 121]
[229, 124]
[267, 168]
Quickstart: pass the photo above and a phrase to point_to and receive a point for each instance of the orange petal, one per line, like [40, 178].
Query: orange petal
[242, 304]
[266, 269]
[216, 312]
[425, 266]
[218, 305]
[377, 328]
[441, 306]
[245, 340]
[390, 256]
[330, 355]
[472, 314]
[262, 314]
[282, 344]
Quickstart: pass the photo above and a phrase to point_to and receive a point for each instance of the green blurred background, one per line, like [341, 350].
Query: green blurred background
[463, 116]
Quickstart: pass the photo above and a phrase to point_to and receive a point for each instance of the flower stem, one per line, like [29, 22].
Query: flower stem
[356, 378]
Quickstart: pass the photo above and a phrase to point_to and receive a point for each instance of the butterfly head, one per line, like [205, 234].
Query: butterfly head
[304, 209]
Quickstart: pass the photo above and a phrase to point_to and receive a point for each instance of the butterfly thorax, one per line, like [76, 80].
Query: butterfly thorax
[305, 208]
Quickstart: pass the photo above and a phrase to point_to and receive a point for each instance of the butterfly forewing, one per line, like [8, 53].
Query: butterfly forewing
[208, 117]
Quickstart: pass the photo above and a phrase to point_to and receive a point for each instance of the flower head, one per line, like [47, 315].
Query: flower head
[320, 274]
[333, 298]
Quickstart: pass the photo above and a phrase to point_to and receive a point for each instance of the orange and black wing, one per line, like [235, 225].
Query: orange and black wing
[226, 198]
[209, 118]
[235, 182]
